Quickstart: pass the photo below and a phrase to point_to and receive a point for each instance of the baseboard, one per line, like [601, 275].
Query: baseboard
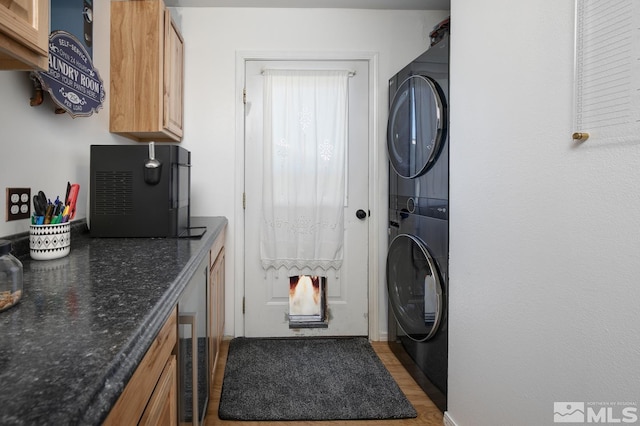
[447, 420]
[383, 336]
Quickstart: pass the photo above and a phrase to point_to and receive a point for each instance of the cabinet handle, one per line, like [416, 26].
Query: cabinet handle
[189, 318]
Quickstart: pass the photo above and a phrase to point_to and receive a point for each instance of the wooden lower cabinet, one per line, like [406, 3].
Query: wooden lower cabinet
[162, 409]
[151, 396]
[216, 301]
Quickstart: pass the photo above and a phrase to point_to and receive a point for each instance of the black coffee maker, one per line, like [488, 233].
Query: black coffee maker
[140, 191]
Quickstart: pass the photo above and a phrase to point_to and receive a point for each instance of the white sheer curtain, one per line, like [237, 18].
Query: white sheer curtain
[305, 148]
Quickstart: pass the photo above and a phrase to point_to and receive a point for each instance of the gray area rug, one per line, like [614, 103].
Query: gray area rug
[308, 379]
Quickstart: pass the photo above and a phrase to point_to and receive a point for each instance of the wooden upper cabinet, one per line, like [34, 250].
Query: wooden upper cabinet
[24, 35]
[147, 77]
[173, 77]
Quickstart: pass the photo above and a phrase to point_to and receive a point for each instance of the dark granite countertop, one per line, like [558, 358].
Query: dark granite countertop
[85, 321]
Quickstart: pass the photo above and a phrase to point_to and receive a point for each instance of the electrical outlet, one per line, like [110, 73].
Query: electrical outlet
[18, 203]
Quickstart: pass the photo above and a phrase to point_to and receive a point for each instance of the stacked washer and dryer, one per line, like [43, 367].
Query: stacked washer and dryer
[417, 261]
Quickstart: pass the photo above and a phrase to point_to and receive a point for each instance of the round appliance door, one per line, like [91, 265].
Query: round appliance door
[415, 291]
[416, 126]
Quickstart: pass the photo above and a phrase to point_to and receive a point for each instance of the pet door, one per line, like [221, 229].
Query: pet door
[307, 301]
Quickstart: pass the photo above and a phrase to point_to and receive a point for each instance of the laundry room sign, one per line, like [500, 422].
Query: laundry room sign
[72, 81]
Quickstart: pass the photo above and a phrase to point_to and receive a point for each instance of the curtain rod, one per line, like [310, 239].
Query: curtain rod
[351, 73]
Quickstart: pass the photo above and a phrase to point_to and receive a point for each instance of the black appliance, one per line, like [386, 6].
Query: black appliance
[418, 131]
[193, 348]
[129, 198]
[417, 285]
[417, 262]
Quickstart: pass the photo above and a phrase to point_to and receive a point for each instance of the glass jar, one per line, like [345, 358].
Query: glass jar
[10, 277]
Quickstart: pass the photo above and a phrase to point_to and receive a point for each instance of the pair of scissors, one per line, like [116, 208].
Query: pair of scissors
[70, 200]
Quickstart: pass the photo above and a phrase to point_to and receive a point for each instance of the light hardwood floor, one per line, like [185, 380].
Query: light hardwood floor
[428, 413]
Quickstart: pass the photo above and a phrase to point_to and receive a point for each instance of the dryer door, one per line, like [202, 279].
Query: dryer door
[415, 291]
[416, 126]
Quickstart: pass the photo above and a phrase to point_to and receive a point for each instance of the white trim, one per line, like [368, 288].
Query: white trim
[374, 184]
[447, 420]
[374, 193]
[238, 191]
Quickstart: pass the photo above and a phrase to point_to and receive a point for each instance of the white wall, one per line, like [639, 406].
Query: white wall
[42, 150]
[213, 37]
[545, 234]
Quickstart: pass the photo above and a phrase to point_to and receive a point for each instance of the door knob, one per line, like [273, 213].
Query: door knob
[361, 214]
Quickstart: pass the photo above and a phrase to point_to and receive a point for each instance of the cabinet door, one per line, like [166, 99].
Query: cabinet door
[216, 306]
[134, 400]
[24, 34]
[173, 76]
[162, 409]
[147, 54]
[216, 300]
[219, 271]
[213, 318]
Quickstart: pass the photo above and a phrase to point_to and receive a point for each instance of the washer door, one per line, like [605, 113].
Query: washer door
[416, 126]
[415, 291]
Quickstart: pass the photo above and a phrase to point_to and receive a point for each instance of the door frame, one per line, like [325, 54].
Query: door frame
[373, 221]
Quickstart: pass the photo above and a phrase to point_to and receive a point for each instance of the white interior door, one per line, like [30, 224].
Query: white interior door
[266, 292]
